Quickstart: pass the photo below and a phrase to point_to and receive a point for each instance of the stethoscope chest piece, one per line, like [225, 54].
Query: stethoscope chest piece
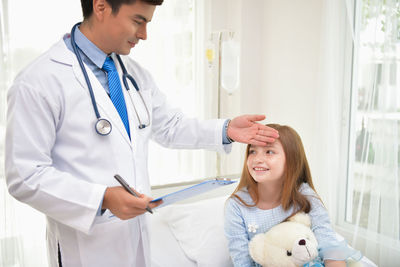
[103, 126]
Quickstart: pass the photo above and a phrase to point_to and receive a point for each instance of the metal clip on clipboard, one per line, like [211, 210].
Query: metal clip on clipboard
[193, 190]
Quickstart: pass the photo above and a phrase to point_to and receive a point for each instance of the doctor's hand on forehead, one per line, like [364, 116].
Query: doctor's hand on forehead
[125, 206]
[245, 129]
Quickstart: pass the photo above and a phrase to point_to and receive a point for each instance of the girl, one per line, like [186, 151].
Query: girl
[275, 184]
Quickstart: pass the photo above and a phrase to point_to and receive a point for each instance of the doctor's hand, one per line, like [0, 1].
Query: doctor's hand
[125, 206]
[245, 129]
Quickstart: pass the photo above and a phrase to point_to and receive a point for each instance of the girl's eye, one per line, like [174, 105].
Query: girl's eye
[252, 151]
[270, 152]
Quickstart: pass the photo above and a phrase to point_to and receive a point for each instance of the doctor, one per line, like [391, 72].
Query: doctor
[71, 127]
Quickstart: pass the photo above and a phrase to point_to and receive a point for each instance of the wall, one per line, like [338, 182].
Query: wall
[280, 42]
[291, 38]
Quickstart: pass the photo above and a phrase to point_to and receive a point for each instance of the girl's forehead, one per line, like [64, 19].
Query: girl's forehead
[275, 144]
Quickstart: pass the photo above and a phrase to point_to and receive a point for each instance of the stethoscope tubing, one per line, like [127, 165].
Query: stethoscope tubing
[126, 76]
[74, 46]
[103, 126]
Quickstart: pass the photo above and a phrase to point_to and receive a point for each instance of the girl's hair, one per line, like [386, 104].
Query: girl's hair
[296, 173]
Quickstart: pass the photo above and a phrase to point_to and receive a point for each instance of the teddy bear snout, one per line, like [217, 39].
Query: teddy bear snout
[302, 242]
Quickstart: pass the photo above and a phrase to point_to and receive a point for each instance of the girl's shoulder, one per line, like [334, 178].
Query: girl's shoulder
[244, 195]
[306, 190]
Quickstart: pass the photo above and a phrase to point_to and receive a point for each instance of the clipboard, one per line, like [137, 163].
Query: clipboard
[192, 191]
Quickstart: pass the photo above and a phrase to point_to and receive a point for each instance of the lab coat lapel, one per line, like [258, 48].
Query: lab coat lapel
[106, 108]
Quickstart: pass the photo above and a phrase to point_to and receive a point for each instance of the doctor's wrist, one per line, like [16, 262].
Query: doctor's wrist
[227, 136]
[104, 204]
[226, 139]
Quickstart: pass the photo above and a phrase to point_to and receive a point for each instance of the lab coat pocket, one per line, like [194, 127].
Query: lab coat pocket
[112, 237]
[107, 216]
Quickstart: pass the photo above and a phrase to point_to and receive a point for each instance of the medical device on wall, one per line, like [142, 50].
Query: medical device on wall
[227, 48]
[230, 64]
[229, 59]
[210, 53]
[102, 125]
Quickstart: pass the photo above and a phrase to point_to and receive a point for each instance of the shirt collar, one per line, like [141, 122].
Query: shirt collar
[90, 49]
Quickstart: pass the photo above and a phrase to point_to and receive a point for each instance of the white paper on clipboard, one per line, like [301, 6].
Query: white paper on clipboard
[192, 191]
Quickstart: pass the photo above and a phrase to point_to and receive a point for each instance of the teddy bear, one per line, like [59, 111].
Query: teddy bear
[290, 243]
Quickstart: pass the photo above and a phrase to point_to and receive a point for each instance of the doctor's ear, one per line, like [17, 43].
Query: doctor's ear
[100, 8]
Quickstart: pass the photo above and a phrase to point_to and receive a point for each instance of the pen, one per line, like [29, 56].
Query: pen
[128, 188]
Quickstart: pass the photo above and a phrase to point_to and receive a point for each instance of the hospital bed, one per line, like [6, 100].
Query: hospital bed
[191, 233]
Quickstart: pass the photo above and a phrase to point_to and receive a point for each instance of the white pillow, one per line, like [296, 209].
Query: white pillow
[199, 229]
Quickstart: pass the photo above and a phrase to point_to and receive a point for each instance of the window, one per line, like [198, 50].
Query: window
[174, 54]
[373, 189]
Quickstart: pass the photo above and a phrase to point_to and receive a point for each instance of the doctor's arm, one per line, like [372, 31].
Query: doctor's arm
[33, 116]
[171, 128]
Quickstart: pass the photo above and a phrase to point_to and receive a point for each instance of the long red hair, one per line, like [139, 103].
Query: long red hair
[296, 173]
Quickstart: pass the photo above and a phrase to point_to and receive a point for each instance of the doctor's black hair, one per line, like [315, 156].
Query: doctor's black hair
[87, 5]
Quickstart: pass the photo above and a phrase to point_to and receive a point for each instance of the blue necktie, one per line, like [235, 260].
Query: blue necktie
[116, 94]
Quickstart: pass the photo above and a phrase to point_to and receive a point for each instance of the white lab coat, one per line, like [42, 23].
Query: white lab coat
[59, 165]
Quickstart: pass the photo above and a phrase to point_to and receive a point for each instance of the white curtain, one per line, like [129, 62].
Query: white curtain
[357, 124]
[330, 99]
[374, 152]
[26, 30]
[12, 243]
[174, 54]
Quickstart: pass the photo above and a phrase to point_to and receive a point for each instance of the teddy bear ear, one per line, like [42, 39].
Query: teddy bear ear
[256, 248]
[302, 218]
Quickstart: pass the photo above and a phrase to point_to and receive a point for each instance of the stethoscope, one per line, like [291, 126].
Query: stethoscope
[103, 126]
